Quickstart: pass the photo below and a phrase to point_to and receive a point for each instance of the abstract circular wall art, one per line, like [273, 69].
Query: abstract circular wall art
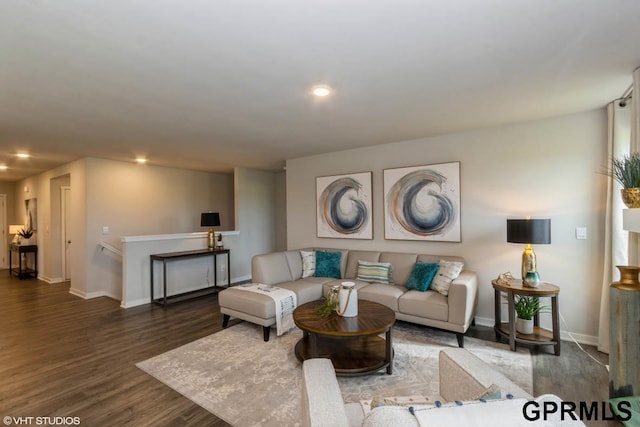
[423, 203]
[344, 206]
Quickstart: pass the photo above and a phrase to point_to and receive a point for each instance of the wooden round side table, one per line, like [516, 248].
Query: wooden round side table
[540, 336]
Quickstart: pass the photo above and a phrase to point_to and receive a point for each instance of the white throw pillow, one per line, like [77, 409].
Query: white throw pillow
[308, 263]
[448, 271]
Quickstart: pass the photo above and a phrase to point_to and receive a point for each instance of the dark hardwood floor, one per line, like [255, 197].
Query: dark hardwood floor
[64, 356]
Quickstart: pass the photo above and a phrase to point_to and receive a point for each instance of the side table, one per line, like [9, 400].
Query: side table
[23, 271]
[540, 335]
[173, 256]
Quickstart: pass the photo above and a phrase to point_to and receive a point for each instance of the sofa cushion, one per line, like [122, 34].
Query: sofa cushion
[359, 285]
[328, 264]
[378, 272]
[353, 257]
[421, 276]
[402, 265]
[438, 258]
[295, 264]
[448, 271]
[308, 263]
[270, 269]
[429, 304]
[386, 295]
[253, 303]
[309, 289]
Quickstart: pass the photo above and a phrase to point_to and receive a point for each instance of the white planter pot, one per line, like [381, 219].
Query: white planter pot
[524, 326]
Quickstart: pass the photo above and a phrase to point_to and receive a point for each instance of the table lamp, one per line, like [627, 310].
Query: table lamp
[529, 231]
[210, 219]
[15, 230]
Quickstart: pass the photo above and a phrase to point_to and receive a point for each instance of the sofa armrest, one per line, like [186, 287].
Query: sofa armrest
[463, 298]
[465, 377]
[322, 404]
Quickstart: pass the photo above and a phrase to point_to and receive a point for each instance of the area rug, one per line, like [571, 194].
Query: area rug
[245, 381]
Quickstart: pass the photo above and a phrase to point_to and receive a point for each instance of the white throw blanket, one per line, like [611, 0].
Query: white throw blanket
[284, 299]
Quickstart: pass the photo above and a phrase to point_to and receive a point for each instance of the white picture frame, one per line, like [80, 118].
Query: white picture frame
[344, 206]
[422, 203]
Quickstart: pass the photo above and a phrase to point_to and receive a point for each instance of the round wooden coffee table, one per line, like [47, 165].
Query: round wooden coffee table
[352, 343]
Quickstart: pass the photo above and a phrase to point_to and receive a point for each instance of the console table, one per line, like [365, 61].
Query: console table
[174, 256]
[540, 335]
[21, 251]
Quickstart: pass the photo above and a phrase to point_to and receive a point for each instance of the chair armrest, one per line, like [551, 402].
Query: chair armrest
[322, 404]
[463, 299]
[465, 377]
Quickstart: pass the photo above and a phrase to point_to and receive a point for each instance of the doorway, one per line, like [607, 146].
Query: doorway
[4, 227]
[65, 226]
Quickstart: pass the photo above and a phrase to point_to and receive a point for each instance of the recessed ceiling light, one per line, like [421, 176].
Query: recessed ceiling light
[141, 160]
[321, 91]
[23, 155]
[3, 168]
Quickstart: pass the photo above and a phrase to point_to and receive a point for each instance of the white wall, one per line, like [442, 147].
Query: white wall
[9, 189]
[255, 214]
[546, 169]
[40, 187]
[130, 199]
[135, 200]
[281, 211]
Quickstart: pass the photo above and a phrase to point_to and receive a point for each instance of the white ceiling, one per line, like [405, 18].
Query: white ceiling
[213, 84]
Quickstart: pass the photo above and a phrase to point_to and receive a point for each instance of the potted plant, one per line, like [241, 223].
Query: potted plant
[526, 308]
[626, 171]
[25, 233]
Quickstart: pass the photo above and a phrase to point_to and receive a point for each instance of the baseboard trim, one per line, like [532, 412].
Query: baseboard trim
[134, 303]
[51, 280]
[564, 335]
[91, 295]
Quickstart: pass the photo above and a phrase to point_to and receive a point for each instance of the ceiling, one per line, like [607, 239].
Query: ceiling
[209, 85]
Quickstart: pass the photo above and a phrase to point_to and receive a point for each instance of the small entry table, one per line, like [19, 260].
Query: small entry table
[352, 343]
[22, 271]
[173, 256]
[540, 335]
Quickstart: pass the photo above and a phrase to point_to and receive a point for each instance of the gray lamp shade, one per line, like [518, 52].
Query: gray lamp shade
[534, 231]
[210, 219]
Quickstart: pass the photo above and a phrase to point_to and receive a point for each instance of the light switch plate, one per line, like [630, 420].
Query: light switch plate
[581, 233]
[105, 229]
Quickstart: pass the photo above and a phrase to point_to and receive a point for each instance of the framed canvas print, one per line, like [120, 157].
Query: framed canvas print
[343, 206]
[422, 202]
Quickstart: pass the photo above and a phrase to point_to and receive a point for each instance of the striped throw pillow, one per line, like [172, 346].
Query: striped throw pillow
[308, 263]
[379, 272]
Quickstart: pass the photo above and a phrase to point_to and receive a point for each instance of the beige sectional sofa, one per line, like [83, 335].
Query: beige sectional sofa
[454, 312]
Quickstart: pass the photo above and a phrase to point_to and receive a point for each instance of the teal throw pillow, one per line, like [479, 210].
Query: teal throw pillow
[328, 264]
[422, 275]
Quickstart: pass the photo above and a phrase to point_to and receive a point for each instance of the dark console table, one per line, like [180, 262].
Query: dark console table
[23, 271]
[174, 256]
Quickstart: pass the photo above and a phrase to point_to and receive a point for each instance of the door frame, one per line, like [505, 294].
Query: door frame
[63, 230]
[4, 227]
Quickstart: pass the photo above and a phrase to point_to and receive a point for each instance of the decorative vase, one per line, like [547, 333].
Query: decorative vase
[524, 326]
[631, 197]
[624, 333]
[348, 300]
